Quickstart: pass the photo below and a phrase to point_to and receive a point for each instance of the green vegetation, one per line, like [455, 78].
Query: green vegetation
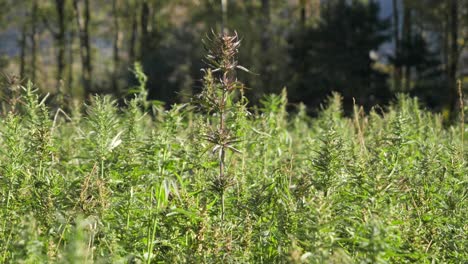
[136, 183]
[367, 50]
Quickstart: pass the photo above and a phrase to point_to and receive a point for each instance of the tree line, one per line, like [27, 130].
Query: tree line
[312, 47]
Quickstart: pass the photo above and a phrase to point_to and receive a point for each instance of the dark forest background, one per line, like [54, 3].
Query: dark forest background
[366, 50]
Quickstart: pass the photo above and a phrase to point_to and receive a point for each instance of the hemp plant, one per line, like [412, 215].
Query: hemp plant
[220, 87]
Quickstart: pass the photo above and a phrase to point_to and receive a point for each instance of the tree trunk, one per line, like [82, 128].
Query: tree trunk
[23, 52]
[408, 32]
[144, 19]
[60, 38]
[34, 23]
[316, 10]
[303, 11]
[224, 8]
[116, 47]
[85, 47]
[446, 43]
[453, 56]
[265, 37]
[301, 36]
[396, 37]
[133, 38]
[265, 44]
[70, 60]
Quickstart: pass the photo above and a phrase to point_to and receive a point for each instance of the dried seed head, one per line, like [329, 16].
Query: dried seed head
[222, 52]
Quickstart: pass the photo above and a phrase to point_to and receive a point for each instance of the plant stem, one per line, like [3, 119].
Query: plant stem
[129, 207]
[462, 108]
[222, 151]
[102, 169]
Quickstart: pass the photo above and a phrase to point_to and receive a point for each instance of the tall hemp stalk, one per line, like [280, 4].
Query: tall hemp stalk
[462, 117]
[217, 97]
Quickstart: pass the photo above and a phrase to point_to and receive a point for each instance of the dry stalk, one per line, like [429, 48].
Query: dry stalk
[462, 112]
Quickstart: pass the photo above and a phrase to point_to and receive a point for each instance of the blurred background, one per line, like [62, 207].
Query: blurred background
[366, 50]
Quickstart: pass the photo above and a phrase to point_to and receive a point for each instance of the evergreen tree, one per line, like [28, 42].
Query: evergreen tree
[335, 55]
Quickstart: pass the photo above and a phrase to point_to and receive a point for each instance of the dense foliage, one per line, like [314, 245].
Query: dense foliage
[368, 50]
[138, 184]
[340, 46]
